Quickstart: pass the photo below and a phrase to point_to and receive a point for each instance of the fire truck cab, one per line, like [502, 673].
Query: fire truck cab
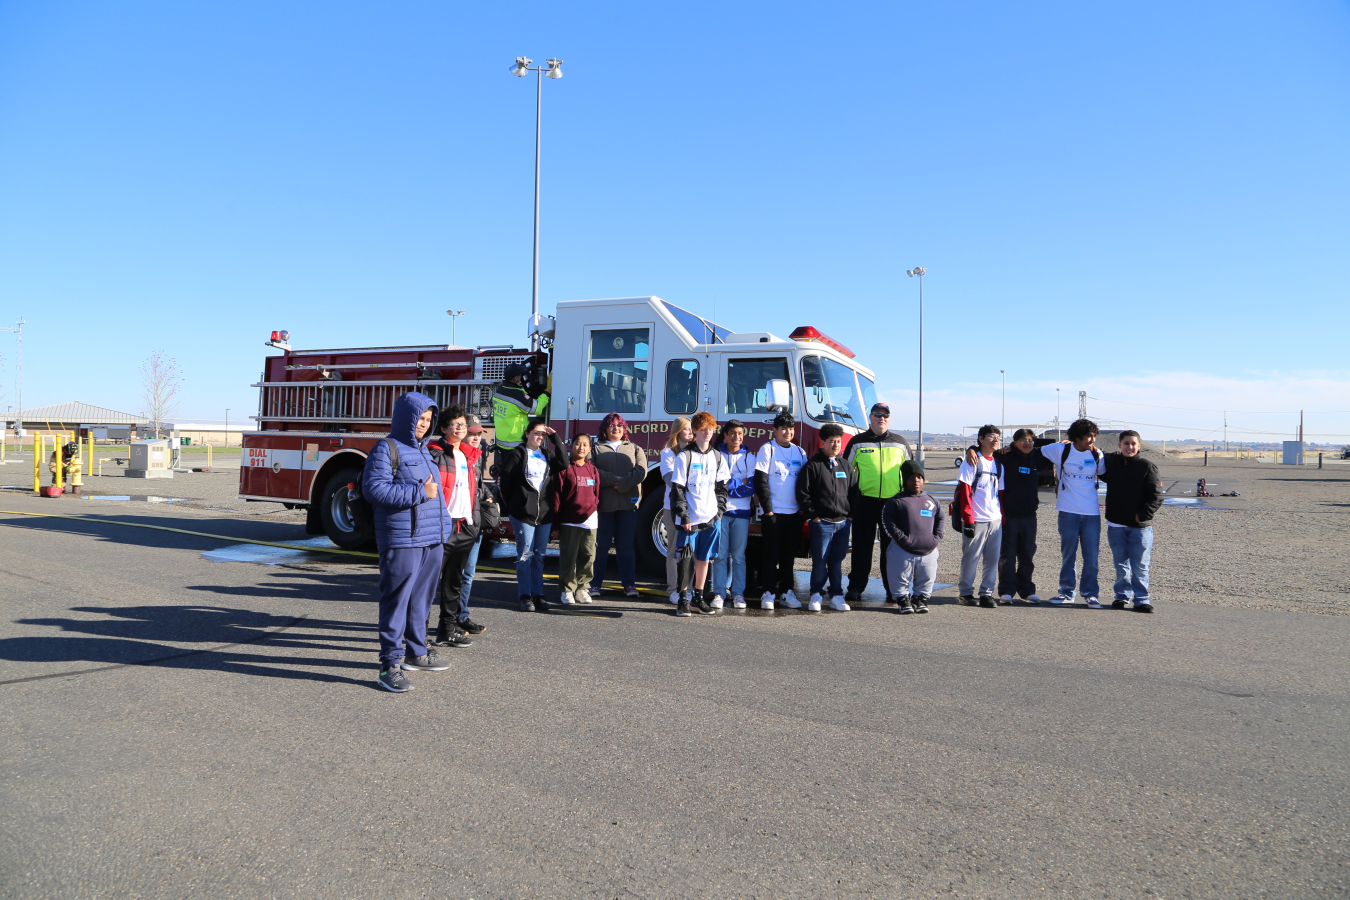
[641, 357]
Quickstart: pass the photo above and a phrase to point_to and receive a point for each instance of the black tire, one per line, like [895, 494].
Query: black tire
[650, 539]
[336, 516]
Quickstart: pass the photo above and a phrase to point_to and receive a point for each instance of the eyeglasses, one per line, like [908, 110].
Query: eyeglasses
[881, 415]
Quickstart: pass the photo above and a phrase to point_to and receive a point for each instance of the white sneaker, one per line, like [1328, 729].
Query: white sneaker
[837, 603]
[791, 601]
[1093, 603]
[717, 601]
[814, 605]
[738, 601]
[567, 598]
[766, 602]
[583, 596]
[1060, 598]
[1006, 599]
[674, 597]
[1033, 599]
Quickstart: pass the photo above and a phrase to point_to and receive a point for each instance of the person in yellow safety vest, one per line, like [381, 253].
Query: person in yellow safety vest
[876, 455]
[70, 459]
[512, 407]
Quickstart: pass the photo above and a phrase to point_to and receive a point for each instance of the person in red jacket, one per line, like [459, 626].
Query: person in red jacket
[457, 462]
[575, 499]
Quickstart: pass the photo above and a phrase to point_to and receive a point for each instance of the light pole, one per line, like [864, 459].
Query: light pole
[18, 375]
[1003, 412]
[1058, 428]
[227, 426]
[919, 272]
[554, 70]
[455, 314]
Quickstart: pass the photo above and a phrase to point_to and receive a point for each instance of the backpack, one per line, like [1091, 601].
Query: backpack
[979, 473]
[363, 514]
[1063, 458]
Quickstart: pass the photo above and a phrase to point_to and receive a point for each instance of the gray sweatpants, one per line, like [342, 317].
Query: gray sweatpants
[910, 575]
[985, 545]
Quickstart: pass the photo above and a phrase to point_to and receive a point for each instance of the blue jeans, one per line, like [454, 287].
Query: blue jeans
[1131, 548]
[829, 545]
[470, 566]
[619, 526]
[1073, 531]
[728, 578]
[531, 542]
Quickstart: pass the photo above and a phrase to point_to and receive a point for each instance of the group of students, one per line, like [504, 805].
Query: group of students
[432, 503]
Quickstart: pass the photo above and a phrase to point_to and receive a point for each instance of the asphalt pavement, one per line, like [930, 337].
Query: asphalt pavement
[174, 726]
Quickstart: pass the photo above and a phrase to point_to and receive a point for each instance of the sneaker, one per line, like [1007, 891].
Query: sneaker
[967, 600]
[540, 604]
[988, 603]
[766, 602]
[429, 662]
[921, 604]
[469, 626]
[717, 601]
[738, 601]
[814, 604]
[675, 597]
[1033, 600]
[853, 597]
[582, 596]
[791, 601]
[393, 680]
[682, 607]
[1092, 603]
[1005, 600]
[839, 604]
[1118, 603]
[1060, 599]
[817, 598]
[567, 598]
[1143, 607]
[456, 638]
[704, 605]
[906, 606]
[630, 593]
[527, 604]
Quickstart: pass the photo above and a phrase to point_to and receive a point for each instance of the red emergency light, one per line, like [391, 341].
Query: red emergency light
[281, 335]
[807, 333]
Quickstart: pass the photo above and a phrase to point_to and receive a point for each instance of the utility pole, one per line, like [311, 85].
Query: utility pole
[1059, 427]
[1082, 404]
[553, 71]
[1003, 410]
[1225, 431]
[18, 376]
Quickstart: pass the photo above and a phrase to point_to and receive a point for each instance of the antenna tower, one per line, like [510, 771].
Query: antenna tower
[1082, 404]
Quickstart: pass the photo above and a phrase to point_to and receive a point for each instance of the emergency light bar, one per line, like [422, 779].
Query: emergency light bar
[807, 333]
[280, 340]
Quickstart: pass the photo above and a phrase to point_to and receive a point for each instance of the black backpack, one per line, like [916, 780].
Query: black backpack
[363, 514]
[1063, 458]
[979, 473]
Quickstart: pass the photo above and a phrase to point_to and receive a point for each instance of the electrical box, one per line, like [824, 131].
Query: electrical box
[150, 459]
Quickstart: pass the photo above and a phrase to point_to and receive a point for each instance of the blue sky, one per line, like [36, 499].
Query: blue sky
[1150, 203]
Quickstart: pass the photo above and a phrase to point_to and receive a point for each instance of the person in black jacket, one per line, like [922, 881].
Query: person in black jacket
[915, 523]
[826, 489]
[1133, 497]
[1022, 467]
[526, 476]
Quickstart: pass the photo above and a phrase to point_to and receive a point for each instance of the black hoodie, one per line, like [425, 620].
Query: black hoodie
[1133, 488]
[824, 490]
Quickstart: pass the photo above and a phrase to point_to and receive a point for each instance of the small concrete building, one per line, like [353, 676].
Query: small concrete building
[78, 418]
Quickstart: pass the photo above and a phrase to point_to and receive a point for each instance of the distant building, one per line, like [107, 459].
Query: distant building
[79, 419]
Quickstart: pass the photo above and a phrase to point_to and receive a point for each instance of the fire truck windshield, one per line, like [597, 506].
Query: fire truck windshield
[833, 393]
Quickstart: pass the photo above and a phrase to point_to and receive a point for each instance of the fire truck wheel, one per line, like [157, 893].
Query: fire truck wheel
[650, 541]
[336, 514]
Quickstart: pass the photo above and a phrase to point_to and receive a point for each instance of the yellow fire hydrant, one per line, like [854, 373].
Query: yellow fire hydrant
[70, 461]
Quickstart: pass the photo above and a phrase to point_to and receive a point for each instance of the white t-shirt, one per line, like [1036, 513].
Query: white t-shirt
[667, 470]
[782, 465]
[1078, 480]
[460, 504]
[742, 467]
[699, 474]
[536, 467]
[984, 497]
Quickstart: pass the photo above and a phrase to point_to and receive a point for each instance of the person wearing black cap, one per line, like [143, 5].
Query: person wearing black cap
[777, 467]
[876, 456]
[512, 407]
[915, 524]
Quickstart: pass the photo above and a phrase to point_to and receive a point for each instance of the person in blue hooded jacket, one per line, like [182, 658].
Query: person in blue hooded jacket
[409, 532]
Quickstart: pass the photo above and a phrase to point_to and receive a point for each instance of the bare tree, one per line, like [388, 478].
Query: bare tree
[161, 380]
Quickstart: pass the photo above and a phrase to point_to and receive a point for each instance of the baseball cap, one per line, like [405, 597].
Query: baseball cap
[474, 423]
[880, 408]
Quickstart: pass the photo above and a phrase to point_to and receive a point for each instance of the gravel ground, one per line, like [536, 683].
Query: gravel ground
[1280, 545]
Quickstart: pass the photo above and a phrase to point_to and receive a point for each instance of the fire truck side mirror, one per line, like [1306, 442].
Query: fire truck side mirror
[777, 395]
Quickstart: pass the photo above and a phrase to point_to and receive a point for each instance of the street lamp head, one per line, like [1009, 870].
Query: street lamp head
[522, 66]
[554, 68]
[920, 271]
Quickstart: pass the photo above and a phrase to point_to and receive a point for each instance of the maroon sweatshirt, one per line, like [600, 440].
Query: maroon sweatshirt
[575, 494]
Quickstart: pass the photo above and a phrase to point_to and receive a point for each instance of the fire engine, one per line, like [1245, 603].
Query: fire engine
[321, 411]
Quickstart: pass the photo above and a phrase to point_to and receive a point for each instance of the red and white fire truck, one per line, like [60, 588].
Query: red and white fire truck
[321, 411]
